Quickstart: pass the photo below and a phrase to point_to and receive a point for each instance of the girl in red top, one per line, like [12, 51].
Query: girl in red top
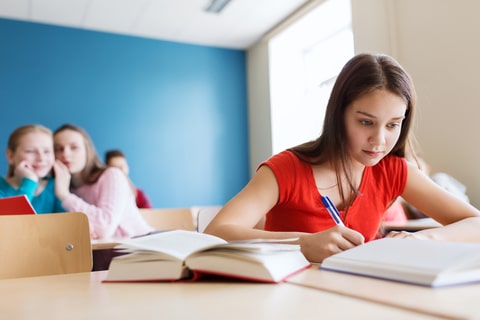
[358, 162]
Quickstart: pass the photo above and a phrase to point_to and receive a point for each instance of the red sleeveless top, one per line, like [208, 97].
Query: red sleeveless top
[300, 207]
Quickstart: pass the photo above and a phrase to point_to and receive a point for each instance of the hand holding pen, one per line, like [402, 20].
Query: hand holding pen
[319, 245]
[332, 210]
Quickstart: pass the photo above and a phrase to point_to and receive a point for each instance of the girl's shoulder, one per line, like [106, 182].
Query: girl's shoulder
[390, 171]
[3, 181]
[112, 174]
[392, 162]
[287, 165]
[5, 187]
[100, 174]
[107, 179]
[111, 171]
[284, 157]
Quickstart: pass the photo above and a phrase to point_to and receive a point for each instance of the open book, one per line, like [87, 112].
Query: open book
[179, 254]
[422, 262]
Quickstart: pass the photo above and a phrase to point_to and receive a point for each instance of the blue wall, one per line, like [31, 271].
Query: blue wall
[178, 111]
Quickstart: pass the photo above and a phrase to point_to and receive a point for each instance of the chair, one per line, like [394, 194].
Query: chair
[45, 244]
[169, 218]
[205, 215]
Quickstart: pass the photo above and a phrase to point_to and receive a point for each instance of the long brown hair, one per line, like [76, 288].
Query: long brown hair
[16, 136]
[94, 166]
[362, 74]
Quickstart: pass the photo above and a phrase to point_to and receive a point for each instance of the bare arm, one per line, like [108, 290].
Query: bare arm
[461, 220]
[237, 219]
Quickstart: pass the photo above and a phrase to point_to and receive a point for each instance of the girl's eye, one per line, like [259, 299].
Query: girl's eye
[365, 122]
[393, 125]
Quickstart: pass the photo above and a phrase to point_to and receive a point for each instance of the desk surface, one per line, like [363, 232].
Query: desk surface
[457, 302]
[83, 296]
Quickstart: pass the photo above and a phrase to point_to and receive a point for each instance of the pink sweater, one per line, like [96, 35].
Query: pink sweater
[110, 206]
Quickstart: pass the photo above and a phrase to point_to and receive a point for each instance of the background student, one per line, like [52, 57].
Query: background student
[358, 162]
[30, 161]
[103, 193]
[116, 158]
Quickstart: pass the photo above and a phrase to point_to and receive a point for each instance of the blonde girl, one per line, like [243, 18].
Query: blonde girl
[30, 160]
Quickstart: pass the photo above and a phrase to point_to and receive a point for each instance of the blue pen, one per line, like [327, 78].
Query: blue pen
[332, 210]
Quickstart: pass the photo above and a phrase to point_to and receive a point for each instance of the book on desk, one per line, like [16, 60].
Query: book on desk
[410, 225]
[16, 205]
[423, 262]
[188, 255]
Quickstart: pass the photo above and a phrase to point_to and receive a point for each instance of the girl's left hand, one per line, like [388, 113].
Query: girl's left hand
[406, 235]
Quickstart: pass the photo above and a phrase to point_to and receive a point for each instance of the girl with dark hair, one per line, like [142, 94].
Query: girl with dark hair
[358, 162]
[116, 158]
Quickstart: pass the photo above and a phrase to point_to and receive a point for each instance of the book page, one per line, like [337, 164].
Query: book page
[253, 246]
[177, 244]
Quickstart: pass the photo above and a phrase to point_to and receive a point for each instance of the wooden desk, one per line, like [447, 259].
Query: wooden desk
[83, 296]
[458, 302]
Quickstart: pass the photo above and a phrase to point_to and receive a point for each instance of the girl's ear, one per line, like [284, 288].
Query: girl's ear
[9, 155]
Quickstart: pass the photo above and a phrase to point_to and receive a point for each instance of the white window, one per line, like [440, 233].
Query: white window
[304, 62]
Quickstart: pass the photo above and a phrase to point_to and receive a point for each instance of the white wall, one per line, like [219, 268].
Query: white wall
[260, 129]
[437, 43]
[259, 115]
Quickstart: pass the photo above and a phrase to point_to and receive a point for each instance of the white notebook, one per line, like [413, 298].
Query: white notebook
[422, 262]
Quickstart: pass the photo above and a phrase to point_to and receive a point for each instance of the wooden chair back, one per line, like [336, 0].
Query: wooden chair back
[44, 244]
[169, 218]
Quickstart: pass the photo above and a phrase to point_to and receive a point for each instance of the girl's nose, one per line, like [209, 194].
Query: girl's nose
[40, 155]
[377, 138]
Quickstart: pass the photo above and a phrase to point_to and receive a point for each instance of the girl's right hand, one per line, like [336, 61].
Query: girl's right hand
[62, 180]
[24, 169]
[320, 245]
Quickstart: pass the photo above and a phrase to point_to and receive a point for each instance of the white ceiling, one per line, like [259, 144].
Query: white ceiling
[238, 26]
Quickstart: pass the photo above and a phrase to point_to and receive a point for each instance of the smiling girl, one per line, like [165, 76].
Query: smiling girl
[30, 161]
[358, 162]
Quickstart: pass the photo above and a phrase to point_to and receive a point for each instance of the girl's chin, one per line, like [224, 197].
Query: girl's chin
[42, 175]
[370, 162]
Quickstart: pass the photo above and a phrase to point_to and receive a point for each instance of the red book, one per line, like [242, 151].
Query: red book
[16, 205]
